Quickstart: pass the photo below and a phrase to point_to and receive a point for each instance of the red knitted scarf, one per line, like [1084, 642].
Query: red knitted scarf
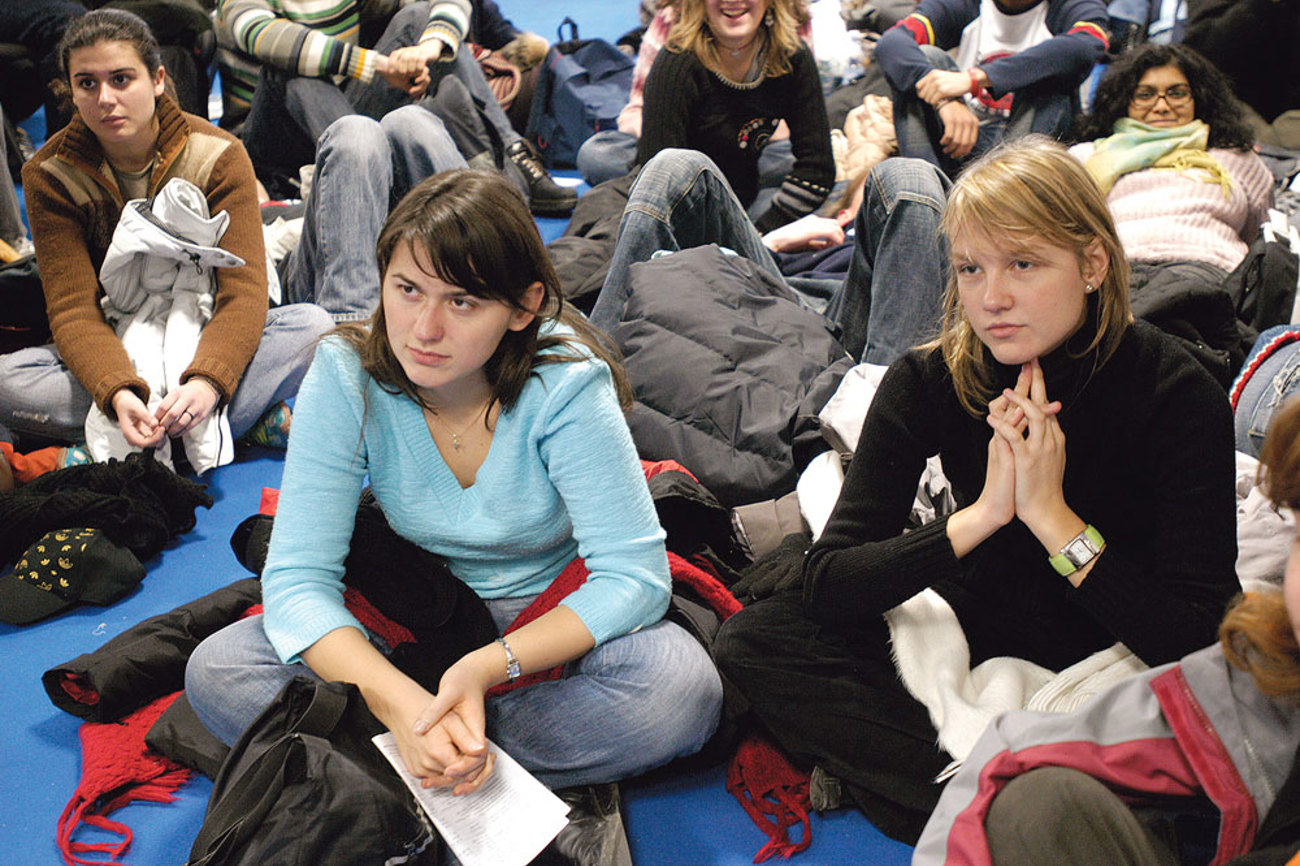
[117, 768]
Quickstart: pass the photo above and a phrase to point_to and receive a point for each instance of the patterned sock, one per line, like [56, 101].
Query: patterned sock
[272, 429]
[73, 455]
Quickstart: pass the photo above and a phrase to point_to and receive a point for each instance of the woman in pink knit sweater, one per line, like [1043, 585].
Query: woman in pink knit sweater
[1168, 144]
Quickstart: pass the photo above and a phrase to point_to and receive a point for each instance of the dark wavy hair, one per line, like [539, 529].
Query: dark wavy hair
[1211, 90]
[477, 234]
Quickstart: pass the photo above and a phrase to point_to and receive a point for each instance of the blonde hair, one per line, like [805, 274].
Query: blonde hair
[1257, 635]
[691, 33]
[1029, 189]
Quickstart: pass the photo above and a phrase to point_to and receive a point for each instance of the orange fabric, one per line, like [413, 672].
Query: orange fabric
[27, 467]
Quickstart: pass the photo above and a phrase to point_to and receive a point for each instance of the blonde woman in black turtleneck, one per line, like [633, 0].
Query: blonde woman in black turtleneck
[1091, 460]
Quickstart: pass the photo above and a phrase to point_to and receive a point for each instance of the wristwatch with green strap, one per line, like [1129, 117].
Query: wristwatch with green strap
[1078, 552]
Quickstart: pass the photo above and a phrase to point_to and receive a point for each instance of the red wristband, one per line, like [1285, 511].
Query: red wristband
[975, 86]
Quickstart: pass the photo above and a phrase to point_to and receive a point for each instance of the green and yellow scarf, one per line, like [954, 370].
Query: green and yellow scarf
[1135, 146]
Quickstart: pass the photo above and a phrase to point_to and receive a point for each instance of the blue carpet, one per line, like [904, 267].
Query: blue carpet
[677, 817]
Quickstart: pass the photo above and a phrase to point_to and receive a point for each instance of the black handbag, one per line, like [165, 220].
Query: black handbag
[304, 786]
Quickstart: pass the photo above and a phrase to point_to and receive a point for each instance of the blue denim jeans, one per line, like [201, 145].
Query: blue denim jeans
[891, 299]
[1276, 380]
[1048, 108]
[631, 704]
[40, 396]
[610, 153]
[363, 168]
[470, 74]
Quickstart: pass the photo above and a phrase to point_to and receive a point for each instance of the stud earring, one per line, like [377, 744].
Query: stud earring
[1089, 288]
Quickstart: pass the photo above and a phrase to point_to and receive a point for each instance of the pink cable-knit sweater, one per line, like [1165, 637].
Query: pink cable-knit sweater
[1169, 216]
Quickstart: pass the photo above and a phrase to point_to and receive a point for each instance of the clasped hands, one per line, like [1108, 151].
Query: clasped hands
[943, 89]
[179, 412]
[1026, 457]
[443, 738]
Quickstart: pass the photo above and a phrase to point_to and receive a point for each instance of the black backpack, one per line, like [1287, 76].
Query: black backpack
[306, 762]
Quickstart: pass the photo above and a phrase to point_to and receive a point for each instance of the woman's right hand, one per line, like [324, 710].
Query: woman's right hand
[137, 423]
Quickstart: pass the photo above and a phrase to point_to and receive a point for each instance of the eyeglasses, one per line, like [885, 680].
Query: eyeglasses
[1175, 97]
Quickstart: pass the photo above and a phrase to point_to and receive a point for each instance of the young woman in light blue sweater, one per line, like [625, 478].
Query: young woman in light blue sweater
[487, 417]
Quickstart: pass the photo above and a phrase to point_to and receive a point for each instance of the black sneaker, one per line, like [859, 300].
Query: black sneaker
[545, 196]
[594, 835]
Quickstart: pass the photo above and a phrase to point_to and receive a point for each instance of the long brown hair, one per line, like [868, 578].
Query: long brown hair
[478, 235]
[691, 33]
[1023, 189]
[1257, 635]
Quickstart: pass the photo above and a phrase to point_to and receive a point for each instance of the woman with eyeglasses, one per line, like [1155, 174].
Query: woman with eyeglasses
[1168, 144]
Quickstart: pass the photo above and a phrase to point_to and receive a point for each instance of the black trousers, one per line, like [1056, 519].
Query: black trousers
[834, 700]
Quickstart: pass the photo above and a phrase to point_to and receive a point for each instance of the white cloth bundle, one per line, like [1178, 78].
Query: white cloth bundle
[159, 287]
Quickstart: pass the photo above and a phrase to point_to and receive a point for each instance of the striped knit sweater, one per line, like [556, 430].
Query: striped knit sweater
[1165, 215]
[313, 38]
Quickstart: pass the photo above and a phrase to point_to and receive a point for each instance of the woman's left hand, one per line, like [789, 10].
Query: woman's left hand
[1037, 446]
[186, 406]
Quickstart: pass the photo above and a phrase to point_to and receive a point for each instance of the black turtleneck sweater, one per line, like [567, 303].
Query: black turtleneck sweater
[1149, 462]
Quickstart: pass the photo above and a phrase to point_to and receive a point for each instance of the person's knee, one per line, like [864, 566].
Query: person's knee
[414, 126]
[751, 639]
[206, 679]
[355, 137]
[680, 690]
[677, 162]
[311, 321]
[669, 175]
[1028, 814]
[904, 178]
[607, 154]
[938, 58]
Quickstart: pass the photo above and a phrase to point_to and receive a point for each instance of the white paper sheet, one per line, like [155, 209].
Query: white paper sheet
[507, 822]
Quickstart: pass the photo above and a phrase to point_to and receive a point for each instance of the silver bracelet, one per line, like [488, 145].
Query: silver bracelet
[512, 663]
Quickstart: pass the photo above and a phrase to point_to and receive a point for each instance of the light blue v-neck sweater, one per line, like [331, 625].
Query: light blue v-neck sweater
[561, 480]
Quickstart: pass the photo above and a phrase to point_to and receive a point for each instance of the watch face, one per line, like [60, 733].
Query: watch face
[1080, 550]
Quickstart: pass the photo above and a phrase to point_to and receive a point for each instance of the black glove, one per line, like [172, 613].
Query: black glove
[777, 570]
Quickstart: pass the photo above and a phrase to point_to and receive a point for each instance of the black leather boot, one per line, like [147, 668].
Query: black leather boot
[545, 196]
